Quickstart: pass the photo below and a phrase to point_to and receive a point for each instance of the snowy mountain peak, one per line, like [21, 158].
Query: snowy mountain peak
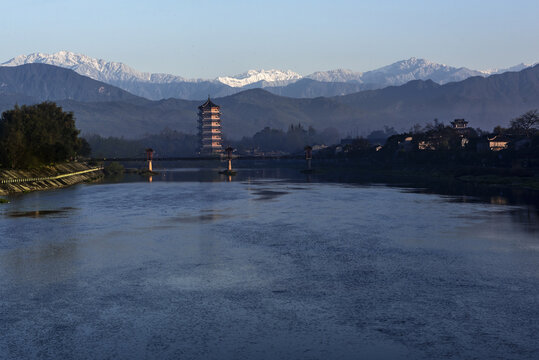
[97, 69]
[338, 75]
[414, 65]
[398, 73]
[517, 67]
[403, 71]
[253, 76]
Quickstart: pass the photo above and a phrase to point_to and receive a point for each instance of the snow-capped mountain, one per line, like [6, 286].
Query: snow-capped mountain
[417, 69]
[270, 77]
[399, 73]
[97, 69]
[338, 75]
[328, 83]
[115, 72]
[517, 67]
[403, 71]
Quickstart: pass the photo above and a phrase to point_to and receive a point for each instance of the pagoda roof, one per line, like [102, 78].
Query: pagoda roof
[499, 137]
[208, 104]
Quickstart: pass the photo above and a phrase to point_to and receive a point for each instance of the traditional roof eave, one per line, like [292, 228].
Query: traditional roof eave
[499, 138]
[208, 104]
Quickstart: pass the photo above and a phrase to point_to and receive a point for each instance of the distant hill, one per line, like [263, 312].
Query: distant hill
[243, 114]
[288, 83]
[39, 82]
[484, 102]
[309, 88]
[179, 90]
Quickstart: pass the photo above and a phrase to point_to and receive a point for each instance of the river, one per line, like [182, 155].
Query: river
[270, 264]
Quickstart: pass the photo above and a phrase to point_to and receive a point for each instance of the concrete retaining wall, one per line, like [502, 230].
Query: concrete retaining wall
[50, 177]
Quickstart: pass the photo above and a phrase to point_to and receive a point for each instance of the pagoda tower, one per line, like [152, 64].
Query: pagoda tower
[209, 129]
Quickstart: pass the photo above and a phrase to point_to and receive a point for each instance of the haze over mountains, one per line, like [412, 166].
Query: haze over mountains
[103, 109]
[286, 83]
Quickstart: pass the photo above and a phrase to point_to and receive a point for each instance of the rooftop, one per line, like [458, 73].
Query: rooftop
[208, 104]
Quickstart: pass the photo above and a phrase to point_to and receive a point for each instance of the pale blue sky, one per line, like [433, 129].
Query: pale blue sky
[211, 38]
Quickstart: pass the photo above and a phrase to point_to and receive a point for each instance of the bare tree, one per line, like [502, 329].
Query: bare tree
[526, 124]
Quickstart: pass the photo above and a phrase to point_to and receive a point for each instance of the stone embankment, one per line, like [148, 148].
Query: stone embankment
[48, 177]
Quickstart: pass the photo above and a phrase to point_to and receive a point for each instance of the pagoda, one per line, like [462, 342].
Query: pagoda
[209, 129]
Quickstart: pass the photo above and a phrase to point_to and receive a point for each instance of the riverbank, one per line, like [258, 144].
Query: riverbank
[47, 177]
[519, 184]
[516, 178]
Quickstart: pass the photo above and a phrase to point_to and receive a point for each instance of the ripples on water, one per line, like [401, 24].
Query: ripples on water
[269, 264]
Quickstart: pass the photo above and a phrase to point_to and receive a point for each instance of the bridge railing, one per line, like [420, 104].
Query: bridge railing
[200, 158]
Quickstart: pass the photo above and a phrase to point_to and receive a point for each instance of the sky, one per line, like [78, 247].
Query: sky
[206, 39]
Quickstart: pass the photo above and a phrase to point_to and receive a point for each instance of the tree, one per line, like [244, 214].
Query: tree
[498, 130]
[85, 148]
[381, 135]
[435, 125]
[34, 135]
[526, 123]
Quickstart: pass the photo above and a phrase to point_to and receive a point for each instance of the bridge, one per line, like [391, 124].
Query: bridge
[198, 158]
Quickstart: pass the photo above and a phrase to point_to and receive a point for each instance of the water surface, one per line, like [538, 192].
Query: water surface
[269, 264]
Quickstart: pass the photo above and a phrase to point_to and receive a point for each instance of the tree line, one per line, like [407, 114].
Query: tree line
[291, 141]
[171, 143]
[168, 143]
[438, 145]
[36, 135]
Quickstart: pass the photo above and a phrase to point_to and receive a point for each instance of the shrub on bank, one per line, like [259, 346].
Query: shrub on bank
[114, 168]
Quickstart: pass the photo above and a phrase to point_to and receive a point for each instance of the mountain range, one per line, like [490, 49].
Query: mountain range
[287, 83]
[103, 109]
